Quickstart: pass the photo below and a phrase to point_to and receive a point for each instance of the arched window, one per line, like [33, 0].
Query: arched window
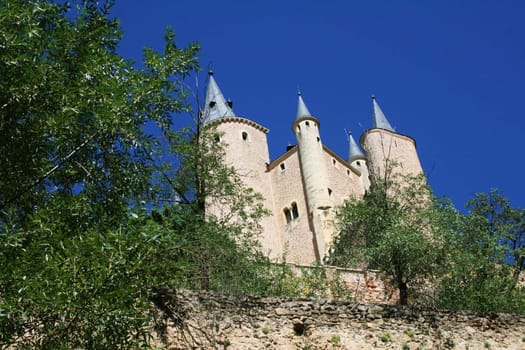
[295, 211]
[287, 215]
[244, 135]
[307, 123]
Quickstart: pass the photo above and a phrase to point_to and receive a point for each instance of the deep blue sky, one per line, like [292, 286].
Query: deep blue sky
[451, 74]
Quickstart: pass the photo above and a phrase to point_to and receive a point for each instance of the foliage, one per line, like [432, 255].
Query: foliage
[395, 229]
[98, 214]
[476, 272]
[88, 290]
[73, 110]
[85, 254]
[79, 269]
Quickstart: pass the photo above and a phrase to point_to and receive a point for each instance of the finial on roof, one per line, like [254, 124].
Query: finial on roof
[302, 110]
[354, 151]
[379, 118]
[216, 105]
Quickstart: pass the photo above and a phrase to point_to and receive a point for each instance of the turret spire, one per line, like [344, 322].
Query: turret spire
[216, 105]
[379, 118]
[354, 151]
[302, 110]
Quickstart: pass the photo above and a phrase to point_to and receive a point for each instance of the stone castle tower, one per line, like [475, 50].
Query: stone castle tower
[303, 186]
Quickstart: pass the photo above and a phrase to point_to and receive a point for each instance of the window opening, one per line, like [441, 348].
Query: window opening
[287, 215]
[307, 123]
[329, 191]
[333, 161]
[295, 211]
[358, 163]
[244, 135]
[283, 166]
[318, 139]
[348, 172]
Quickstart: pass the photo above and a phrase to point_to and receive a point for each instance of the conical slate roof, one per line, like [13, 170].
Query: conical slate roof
[379, 118]
[302, 110]
[216, 105]
[354, 151]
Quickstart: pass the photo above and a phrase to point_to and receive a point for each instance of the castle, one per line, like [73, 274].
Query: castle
[303, 186]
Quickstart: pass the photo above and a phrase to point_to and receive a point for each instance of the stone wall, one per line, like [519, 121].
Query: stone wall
[213, 321]
[358, 284]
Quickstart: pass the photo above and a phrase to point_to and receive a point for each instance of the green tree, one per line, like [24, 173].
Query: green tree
[73, 111]
[396, 229]
[80, 265]
[477, 274]
[99, 217]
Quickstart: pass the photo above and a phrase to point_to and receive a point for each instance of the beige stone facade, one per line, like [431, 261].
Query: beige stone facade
[303, 187]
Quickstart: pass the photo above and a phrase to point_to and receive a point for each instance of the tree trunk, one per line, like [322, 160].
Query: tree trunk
[403, 293]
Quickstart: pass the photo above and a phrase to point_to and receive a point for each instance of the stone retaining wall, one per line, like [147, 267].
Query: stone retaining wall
[214, 321]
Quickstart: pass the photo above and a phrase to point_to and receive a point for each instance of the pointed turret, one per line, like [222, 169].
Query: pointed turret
[354, 151]
[379, 118]
[302, 110]
[387, 150]
[216, 105]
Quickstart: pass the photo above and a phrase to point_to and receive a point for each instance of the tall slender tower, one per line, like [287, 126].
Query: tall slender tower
[386, 148]
[315, 177]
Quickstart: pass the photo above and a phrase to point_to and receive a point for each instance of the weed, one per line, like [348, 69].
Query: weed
[487, 344]
[266, 330]
[405, 346]
[336, 339]
[410, 333]
[385, 337]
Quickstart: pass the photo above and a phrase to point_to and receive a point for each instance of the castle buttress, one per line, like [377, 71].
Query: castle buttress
[303, 186]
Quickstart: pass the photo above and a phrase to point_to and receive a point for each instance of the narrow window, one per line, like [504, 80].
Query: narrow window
[295, 211]
[307, 123]
[358, 163]
[348, 172]
[244, 135]
[329, 191]
[283, 166]
[318, 139]
[298, 127]
[333, 161]
[287, 215]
